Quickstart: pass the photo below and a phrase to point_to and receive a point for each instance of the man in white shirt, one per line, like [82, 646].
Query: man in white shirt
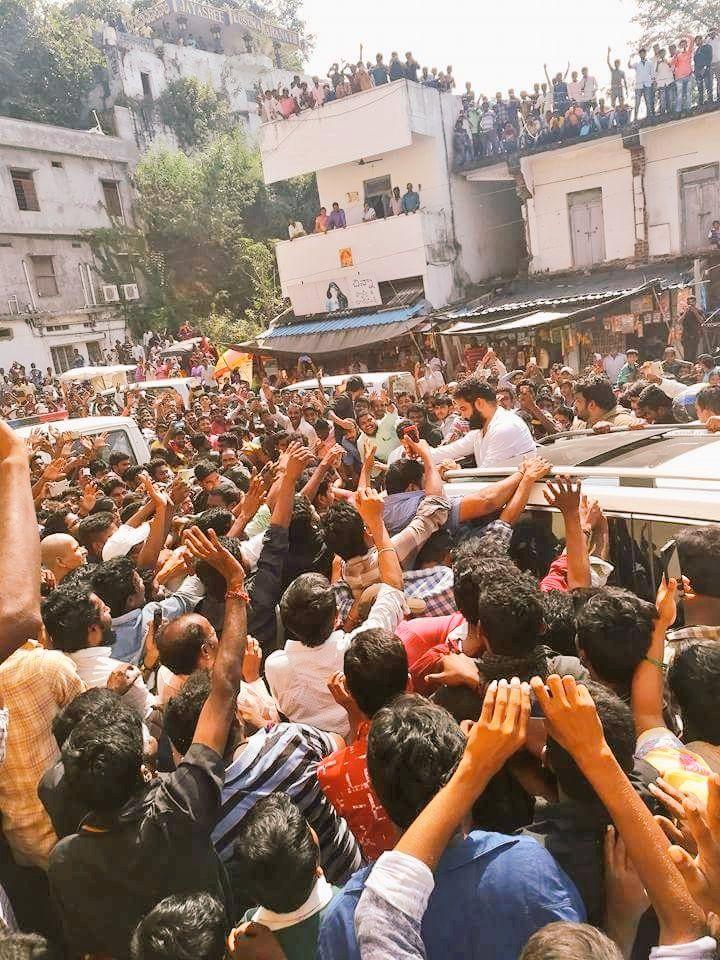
[315, 649]
[496, 436]
[644, 79]
[613, 363]
[300, 425]
[588, 88]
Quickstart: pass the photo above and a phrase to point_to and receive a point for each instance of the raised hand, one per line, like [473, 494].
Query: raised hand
[571, 716]
[370, 506]
[252, 660]
[502, 728]
[563, 493]
[535, 468]
[702, 873]
[208, 548]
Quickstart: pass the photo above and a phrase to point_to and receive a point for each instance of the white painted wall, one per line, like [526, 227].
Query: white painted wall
[668, 150]
[551, 176]
[28, 345]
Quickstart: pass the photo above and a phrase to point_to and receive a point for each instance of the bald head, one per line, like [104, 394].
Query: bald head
[61, 554]
[187, 644]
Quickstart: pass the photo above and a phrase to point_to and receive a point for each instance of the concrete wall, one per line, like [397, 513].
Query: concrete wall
[551, 176]
[28, 344]
[605, 164]
[668, 150]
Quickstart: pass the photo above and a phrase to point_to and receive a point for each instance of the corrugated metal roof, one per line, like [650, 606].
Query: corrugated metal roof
[528, 293]
[333, 322]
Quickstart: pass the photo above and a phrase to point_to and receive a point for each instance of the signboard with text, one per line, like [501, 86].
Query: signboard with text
[345, 292]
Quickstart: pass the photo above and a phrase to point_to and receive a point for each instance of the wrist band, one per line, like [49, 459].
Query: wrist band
[658, 663]
[386, 550]
[240, 595]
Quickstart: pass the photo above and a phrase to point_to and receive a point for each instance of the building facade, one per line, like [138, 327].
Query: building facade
[361, 148]
[233, 51]
[56, 184]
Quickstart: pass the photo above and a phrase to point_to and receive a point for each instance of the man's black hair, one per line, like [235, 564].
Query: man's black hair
[94, 700]
[413, 749]
[559, 616]
[709, 399]
[322, 428]
[204, 469]
[103, 505]
[308, 609]
[154, 465]
[354, 384]
[213, 581]
[435, 550]
[97, 467]
[469, 572]
[473, 388]
[102, 758]
[694, 679]
[239, 477]
[229, 440]
[653, 398]
[699, 555]
[417, 408]
[376, 669]
[116, 457]
[402, 473]
[217, 519]
[56, 522]
[133, 472]
[113, 582]
[511, 613]
[596, 390]
[529, 384]
[614, 629]
[619, 729]
[345, 531]
[182, 711]
[90, 527]
[189, 926]
[276, 856]
[68, 613]
[199, 442]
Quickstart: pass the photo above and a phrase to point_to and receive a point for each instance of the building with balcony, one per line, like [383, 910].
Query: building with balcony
[232, 50]
[56, 184]
[603, 217]
[362, 147]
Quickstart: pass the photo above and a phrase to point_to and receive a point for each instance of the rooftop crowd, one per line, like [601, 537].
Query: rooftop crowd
[282, 692]
[567, 105]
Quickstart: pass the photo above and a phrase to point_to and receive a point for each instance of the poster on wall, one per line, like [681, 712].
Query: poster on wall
[346, 257]
[364, 292]
[346, 292]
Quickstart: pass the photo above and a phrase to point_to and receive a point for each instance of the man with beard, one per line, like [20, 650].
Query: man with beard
[496, 437]
[79, 624]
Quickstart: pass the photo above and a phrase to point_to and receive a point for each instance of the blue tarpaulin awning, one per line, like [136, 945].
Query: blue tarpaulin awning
[334, 333]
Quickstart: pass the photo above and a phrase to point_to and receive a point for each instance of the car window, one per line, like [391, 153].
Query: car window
[119, 440]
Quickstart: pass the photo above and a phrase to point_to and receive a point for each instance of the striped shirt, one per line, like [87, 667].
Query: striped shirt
[284, 759]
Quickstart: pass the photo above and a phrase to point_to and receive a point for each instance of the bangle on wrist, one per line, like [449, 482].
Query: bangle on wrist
[657, 663]
[386, 550]
[239, 595]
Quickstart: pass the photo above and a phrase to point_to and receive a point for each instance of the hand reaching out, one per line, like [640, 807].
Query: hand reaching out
[535, 468]
[564, 493]
[702, 873]
[370, 506]
[502, 728]
[571, 716]
[209, 549]
[252, 660]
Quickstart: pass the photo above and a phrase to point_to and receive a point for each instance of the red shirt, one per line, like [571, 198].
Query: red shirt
[556, 577]
[426, 640]
[345, 781]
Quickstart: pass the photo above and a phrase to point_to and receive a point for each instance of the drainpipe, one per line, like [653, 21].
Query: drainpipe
[29, 285]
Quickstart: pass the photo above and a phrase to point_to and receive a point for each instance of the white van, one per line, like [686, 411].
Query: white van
[649, 483]
[123, 434]
[182, 385]
[398, 380]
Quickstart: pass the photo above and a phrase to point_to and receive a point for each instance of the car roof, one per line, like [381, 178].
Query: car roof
[170, 382]
[80, 425]
[652, 446]
[336, 381]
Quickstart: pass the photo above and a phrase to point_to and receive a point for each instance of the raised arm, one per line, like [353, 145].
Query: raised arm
[608, 59]
[150, 550]
[330, 461]
[573, 723]
[547, 75]
[648, 685]
[370, 508]
[432, 481]
[20, 555]
[534, 469]
[564, 494]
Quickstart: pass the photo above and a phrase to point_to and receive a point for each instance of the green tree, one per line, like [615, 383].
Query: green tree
[194, 111]
[662, 21]
[48, 64]
[202, 242]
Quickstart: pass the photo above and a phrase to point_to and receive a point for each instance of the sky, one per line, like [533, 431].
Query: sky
[495, 46]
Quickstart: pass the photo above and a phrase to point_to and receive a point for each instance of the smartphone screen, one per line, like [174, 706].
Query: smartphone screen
[666, 554]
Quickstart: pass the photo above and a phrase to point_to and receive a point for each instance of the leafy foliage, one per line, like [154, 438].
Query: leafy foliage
[194, 111]
[48, 63]
[203, 239]
[662, 21]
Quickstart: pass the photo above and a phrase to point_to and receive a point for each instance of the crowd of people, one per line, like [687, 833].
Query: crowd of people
[280, 692]
[567, 105]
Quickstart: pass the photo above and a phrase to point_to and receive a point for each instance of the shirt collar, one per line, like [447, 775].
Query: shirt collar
[90, 653]
[126, 618]
[319, 898]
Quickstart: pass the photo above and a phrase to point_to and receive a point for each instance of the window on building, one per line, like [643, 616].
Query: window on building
[6, 333]
[57, 164]
[25, 189]
[377, 193]
[44, 273]
[699, 197]
[94, 353]
[587, 228]
[111, 194]
[62, 358]
[146, 88]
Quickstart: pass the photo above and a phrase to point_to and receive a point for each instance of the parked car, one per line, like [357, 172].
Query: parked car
[182, 385]
[374, 382]
[123, 433]
[649, 483]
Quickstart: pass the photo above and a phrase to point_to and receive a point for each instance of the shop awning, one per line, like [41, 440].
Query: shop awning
[335, 334]
[540, 318]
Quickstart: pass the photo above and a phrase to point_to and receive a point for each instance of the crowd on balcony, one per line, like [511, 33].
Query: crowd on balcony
[391, 205]
[672, 80]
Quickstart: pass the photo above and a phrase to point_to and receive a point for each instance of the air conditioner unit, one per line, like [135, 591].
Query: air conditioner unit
[110, 293]
[130, 291]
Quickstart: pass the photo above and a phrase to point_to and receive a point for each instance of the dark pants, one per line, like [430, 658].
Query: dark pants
[703, 79]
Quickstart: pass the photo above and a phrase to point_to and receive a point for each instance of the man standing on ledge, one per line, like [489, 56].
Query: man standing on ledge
[496, 436]
[411, 200]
